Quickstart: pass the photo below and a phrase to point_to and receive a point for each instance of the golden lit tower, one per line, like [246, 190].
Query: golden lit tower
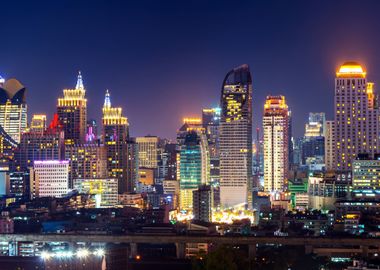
[115, 136]
[38, 123]
[72, 113]
[276, 140]
[236, 138]
[356, 124]
[13, 108]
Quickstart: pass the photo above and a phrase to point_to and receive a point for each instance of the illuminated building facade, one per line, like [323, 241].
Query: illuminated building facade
[105, 191]
[194, 167]
[203, 203]
[356, 116]
[316, 126]
[7, 147]
[13, 108]
[86, 161]
[92, 131]
[38, 123]
[115, 136]
[330, 145]
[366, 177]
[49, 178]
[19, 184]
[189, 124]
[275, 129]
[236, 138]
[72, 113]
[48, 145]
[148, 151]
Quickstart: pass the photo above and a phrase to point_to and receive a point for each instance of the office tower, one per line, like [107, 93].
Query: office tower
[48, 145]
[13, 108]
[189, 124]
[211, 123]
[148, 151]
[19, 184]
[72, 113]
[316, 126]
[86, 161]
[356, 115]
[7, 147]
[330, 145]
[275, 128]
[236, 138]
[290, 141]
[133, 164]
[203, 203]
[194, 167]
[49, 178]
[92, 131]
[167, 164]
[115, 136]
[104, 190]
[313, 145]
[366, 177]
[38, 123]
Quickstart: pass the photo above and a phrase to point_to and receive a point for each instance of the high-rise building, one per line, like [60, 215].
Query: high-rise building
[366, 177]
[275, 128]
[115, 136]
[148, 151]
[72, 113]
[38, 123]
[330, 145]
[236, 138]
[316, 126]
[49, 178]
[194, 167]
[86, 161]
[189, 124]
[356, 115]
[211, 123]
[48, 145]
[203, 203]
[13, 108]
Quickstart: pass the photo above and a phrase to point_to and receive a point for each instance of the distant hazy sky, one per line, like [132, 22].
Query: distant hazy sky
[163, 60]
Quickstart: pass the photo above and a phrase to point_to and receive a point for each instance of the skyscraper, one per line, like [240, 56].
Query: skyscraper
[13, 108]
[148, 151]
[72, 113]
[115, 136]
[330, 145]
[356, 115]
[236, 138]
[194, 167]
[276, 138]
[38, 123]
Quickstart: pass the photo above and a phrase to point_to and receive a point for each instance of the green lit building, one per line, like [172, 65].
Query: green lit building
[194, 167]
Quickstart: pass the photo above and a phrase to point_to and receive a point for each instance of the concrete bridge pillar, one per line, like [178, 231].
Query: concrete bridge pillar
[133, 250]
[252, 250]
[180, 250]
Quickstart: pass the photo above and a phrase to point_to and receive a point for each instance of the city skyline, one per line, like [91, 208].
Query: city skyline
[189, 62]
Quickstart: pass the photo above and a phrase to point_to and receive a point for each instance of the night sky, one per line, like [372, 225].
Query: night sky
[163, 60]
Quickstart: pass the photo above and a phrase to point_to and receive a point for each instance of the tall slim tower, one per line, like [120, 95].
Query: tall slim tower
[356, 116]
[236, 138]
[72, 113]
[115, 136]
[276, 139]
[13, 108]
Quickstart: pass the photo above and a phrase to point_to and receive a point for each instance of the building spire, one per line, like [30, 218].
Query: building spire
[107, 100]
[79, 81]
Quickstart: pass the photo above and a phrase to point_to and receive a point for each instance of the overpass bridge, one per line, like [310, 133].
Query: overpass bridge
[362, 245]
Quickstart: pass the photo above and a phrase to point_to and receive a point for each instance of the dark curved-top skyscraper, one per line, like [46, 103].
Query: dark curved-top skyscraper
[236, 138]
